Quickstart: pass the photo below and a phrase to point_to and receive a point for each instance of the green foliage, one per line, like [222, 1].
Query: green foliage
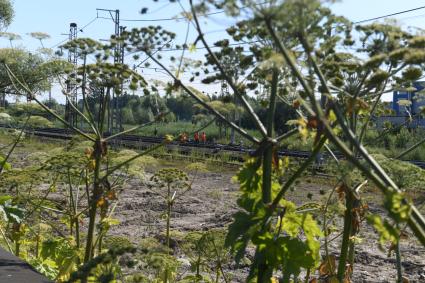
[386, 231]
[9, 211]
[156, 262]
[402, 138]
[280, 246]
[5, 118]
[103, 268]
[170, 177]
[207, 255]
[58, 258]
[397, 207]
[29, 68]
[4, 165]
[39, 122]
[197, 167]
[127, 116]
[138, 166]
[117, 243]
[6, 13]
[297, 54]
[21, 178]
[405, 174]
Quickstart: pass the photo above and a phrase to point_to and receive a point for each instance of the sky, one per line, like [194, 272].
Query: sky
[54, 16]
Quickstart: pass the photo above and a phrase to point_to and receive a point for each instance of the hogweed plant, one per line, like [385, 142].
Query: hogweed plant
[170, 184]
[100, 79]
[298, 55]
[329, 72]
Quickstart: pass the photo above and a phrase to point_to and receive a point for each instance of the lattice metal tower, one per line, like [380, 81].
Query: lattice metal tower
[71, 89]
[114, 109]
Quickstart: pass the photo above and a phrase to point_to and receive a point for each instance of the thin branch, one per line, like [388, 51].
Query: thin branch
[47, 109]
[110, 171]
[413, 147]
[91, 123]
[9, 247]
[145, 152]
[298, 173]
[294, 68]
[229, 80]
[80, 113]
[286, 135]
[63, 121]
[135, 128]
[204, 104]
[328, 149]
[375, 105]
[14, 145]
[83, 92]
[316, 68]
[380, 178]
[388, 131]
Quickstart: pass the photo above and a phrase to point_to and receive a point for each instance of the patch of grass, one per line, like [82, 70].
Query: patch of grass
[215, 193]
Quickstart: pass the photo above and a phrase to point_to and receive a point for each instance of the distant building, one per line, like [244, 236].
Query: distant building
[407, 106]
[416, 102]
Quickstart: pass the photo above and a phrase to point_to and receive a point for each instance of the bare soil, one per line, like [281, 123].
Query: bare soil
[212, 202]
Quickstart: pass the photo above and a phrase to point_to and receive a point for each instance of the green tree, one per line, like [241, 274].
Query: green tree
[181, 106]
[127, 115]
[6, 13]
[30, 68]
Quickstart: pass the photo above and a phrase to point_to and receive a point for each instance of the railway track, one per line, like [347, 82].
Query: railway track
[141, 142]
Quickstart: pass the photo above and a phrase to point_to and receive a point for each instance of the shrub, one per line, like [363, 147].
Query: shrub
[39, 122]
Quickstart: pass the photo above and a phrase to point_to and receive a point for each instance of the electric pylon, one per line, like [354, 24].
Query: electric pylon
[71, 87]
[114, 111]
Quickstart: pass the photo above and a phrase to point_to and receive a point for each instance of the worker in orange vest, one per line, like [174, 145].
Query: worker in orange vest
[203, 137]
[196, 137]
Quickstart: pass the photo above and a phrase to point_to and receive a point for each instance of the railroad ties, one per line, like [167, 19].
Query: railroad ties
[209, 149]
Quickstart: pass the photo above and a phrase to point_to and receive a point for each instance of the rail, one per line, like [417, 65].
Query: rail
[134, 141]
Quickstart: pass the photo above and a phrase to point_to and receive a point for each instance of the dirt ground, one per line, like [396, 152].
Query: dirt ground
[212, 202]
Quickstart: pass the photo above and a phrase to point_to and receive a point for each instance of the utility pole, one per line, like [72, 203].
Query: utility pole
[72, 92]
[119, 105]
[114, 108]
[3, 99]
[29, 97]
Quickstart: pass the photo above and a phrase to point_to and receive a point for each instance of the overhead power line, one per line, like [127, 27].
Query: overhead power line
[184, 18]
[167, 19]
[159, 8]
[59, 43]
[80, 29]
[389, 15]
[92, 21]
[220, 12]
[197, 48]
